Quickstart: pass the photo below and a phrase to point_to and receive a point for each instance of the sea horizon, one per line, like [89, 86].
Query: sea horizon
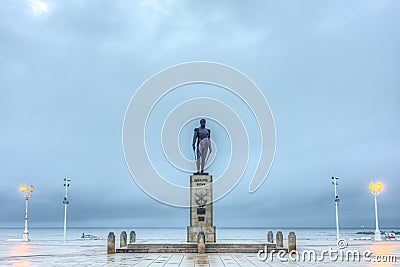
[218, 227]
[179, 233]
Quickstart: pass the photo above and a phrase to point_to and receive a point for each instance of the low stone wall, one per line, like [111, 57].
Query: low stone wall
[201, 246]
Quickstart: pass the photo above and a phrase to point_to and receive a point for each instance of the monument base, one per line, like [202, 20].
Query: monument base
[209, 233]
[201, 209]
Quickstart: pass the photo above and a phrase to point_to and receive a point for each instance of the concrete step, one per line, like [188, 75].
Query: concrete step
[241, 245]
[157, 250]
[147, 245]
[192, 248]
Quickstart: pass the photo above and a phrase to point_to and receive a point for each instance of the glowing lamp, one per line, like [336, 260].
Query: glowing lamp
[22, 188]
[379, 186]
[372, 187]
[26, 193]
[375, 190]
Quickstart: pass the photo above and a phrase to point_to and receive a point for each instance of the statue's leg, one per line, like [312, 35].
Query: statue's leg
[203, 155]
[198, 159]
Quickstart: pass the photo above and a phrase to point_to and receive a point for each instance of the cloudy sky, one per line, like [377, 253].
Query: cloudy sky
[329, 70]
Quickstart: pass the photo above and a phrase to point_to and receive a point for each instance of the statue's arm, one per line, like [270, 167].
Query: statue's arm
[209, 143]
[195, 137]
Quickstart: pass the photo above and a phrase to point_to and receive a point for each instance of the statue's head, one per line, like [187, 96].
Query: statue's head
[203, 122]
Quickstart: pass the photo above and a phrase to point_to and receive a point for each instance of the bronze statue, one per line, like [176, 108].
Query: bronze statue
[201, 144]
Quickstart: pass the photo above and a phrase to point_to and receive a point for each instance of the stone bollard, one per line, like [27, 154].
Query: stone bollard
[291, 242]
[122, 239]
[270, 237]
[201, 246]
[279, 239]
[111, 243]
[132, 237]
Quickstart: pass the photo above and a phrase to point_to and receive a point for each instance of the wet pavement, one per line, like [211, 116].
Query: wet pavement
[93, 253]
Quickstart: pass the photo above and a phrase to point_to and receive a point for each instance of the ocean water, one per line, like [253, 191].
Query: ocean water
[179, 234]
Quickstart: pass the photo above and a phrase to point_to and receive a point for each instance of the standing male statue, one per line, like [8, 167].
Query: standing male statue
[201, 141]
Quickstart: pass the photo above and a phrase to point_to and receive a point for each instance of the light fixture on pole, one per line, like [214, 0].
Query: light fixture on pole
[335, 183]
[26, 193]
[375, 190]
[65, 202]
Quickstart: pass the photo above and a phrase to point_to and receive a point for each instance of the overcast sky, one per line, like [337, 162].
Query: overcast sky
[328, 69]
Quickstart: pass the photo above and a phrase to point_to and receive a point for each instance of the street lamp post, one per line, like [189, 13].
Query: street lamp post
[375, 190]
[335, 183]
[26, 193]
[65, 202]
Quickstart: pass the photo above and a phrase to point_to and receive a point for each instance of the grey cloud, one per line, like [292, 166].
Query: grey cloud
[328, 70]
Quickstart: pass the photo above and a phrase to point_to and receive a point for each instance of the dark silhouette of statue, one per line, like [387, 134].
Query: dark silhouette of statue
[201, 144]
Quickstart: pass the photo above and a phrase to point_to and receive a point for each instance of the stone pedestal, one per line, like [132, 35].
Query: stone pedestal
[291, 242]
[201, 209]
[132, 237]
[122, 239]
[111, 243]
[279, 239]
[270, 237]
